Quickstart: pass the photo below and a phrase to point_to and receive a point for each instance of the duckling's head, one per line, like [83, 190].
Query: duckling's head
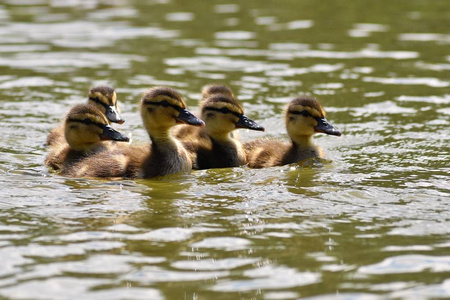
[223, 113]
[163, 107]
[305, 117]
[86, 126]
[105, 99]
[216, 89]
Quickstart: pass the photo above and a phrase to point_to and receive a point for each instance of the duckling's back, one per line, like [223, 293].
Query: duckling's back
[116, 160]
[263, 153]
[55, 136]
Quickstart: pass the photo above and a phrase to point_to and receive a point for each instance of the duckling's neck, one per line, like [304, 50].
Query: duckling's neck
[162, 136]
[218, 136]
[163, 140]
[303, 141]
[167, 155]
[303, 147]
[225, 151]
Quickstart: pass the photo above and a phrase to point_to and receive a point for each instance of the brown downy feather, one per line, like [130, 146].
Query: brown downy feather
[103, 98]
[161, 109]
[87, 133]
[304, 117]
[214, 146]
[118, 160]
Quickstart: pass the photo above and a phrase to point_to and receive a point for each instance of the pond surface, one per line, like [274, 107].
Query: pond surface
[374, 223]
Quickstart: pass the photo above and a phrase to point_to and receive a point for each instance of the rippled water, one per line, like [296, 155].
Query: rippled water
[373, 224]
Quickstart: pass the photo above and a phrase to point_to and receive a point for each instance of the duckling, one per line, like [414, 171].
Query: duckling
[304, 117]
[161, 109]
[103, 98]
[214, 146]
[87, 132]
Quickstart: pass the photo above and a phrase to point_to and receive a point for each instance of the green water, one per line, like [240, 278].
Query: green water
[373, 224]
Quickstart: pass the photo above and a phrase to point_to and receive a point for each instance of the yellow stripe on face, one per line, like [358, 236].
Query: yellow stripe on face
[231, 107]
[101, 97]
[314, 112]
[161, 98]
[94, 118]
[114, 99]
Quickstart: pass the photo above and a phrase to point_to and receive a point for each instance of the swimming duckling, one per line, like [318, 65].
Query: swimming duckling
[161, 109]
[86, 132]
[214, 146]
[103, 98]
[304, 117]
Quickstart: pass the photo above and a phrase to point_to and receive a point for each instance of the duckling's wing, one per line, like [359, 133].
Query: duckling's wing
[56, 135]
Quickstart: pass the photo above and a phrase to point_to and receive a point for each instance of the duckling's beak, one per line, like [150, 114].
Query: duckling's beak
[185, 117]
[246, 122]
[110, 133]
[113, 115]
[325, 127]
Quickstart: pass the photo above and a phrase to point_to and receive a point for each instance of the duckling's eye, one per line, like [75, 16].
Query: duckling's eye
[165, 103]
[305, 113]
[97, 99]
[87, 121]
[224, 110]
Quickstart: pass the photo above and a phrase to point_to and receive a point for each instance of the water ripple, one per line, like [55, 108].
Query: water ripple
[149, 275]
[57, 62]
[26, 82]
[433, 82]
[72, 288]
[365, 53]
[408, 264]
[428, 291]
[224, 243]
[425, 37]
[365, 29]
[386, 107]
[268, 277]
[425, 99]
[82, 34]
[214, 264]
[234, 35]
[293, 25]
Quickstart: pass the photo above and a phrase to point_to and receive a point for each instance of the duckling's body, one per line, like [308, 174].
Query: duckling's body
[87, 133]
[161, 109]
[214, 146]
[104, 99]
[265, 153]
[304, 117]
[117, 160]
